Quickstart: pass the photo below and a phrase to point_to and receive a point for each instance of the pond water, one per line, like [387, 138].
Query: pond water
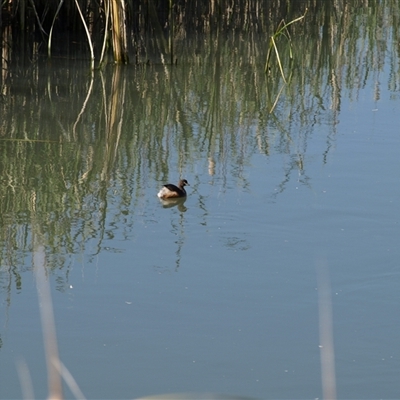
[220, 293]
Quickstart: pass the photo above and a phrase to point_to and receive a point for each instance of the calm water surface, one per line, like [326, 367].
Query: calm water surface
[220, 294]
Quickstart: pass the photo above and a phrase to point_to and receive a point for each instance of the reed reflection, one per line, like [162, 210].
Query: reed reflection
[87, 147]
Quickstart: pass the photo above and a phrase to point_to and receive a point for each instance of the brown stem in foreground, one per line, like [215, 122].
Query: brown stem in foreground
[118, 17]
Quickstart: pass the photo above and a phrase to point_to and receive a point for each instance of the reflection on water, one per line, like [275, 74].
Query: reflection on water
[195, 396]
[81, 157]
[178, 202]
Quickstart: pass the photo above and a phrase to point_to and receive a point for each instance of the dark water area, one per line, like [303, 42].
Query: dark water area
[277, 277]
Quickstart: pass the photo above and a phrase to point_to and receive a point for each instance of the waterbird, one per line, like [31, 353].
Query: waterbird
[170, 191]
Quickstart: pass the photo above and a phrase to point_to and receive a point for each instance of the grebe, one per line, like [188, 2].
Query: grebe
[170, 191]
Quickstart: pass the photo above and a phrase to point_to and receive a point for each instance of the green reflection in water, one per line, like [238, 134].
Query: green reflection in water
[82, 152]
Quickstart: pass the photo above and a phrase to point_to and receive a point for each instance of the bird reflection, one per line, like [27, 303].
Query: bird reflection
[174, 202]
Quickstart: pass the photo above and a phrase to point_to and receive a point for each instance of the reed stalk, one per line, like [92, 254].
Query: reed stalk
[171, 31]
[42, 31]
[52, 27]
[118, 17]
[281, 30]
[87, 34]
[107, 13]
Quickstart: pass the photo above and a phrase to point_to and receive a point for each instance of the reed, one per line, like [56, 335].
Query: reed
[87, 33]
[131, 24]
[52, 28]
[281, 32]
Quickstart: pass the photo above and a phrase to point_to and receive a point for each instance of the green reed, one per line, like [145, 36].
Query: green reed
[281, 31]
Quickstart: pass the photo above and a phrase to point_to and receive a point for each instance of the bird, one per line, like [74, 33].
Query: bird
[170, 191]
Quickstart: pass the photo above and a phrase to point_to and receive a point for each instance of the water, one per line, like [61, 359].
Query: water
[219, 294]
